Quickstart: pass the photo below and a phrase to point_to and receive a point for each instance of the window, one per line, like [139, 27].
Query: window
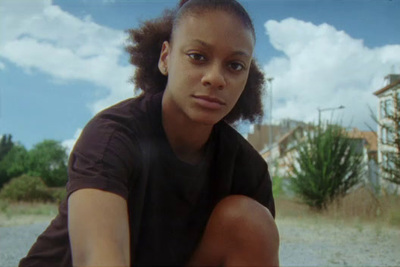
[398, 100]
[387, 135]
[386, 108]
[384, 135]
[382, 109]
[398, 127]
[384, 160]
[388, 160]
[390, 136]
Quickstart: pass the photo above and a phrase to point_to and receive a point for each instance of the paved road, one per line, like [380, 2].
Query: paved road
[303, 243]
[16, 241]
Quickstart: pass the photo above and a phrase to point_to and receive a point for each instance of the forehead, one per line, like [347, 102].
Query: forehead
[214, 27]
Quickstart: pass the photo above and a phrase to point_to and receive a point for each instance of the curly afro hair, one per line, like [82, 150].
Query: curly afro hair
[146, 43]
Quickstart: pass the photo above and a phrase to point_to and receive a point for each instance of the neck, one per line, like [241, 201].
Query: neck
[187, 138]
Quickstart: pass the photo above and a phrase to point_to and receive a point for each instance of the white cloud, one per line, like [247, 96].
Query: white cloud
[70, 143]
[37, 35]
[2, 66]
[325, 68]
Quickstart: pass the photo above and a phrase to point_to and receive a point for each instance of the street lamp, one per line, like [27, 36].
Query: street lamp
[269, 81]
[320, 110]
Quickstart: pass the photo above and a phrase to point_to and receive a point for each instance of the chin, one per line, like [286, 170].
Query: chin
[206, 119]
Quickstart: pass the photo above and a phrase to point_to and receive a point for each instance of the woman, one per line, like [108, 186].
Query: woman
[162, 179]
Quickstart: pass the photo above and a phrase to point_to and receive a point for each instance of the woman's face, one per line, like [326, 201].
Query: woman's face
[208, 64]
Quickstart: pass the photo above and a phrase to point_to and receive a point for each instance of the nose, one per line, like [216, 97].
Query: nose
[214, 77]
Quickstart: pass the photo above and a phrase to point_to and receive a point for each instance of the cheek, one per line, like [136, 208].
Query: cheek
[239, 86]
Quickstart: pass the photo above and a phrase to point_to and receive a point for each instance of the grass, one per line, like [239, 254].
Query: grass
[358, 208]
[20, 213]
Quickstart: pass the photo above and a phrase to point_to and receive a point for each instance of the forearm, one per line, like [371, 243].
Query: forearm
[98, 229]
[101, 256]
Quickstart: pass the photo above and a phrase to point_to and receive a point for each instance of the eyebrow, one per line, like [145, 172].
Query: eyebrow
[239, 52]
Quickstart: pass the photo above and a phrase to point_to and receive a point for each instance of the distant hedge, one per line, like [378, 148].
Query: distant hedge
[26, 188]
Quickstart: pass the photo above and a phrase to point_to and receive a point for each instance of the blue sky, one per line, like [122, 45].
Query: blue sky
[63, 61]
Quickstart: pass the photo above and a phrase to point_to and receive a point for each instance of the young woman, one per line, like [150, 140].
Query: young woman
[162, 179]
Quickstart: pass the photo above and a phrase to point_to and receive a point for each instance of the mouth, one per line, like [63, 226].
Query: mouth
[209, 102]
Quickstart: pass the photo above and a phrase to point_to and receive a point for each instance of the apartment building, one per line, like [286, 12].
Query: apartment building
[388, 118]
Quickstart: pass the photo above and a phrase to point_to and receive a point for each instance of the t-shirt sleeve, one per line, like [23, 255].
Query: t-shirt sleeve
[252, 177]
[263, 192]
[104, 158]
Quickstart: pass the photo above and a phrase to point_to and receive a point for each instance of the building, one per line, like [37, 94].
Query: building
[260, 137]
[283, 153]
[388, 119]
[366, 143]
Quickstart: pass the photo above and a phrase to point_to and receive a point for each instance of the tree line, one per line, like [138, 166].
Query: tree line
[328, 164]
[47, 160]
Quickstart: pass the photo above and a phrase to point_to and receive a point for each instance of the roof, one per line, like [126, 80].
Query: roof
[288, 134]
[369, 136]
[387, 87]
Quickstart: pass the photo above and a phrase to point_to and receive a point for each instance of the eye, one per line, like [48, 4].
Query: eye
[197, 57]
[236, 66]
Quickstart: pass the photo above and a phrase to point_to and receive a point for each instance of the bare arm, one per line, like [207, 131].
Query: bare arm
[98, 228]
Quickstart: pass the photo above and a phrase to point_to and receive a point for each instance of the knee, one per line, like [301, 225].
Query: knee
[244, 218]
[240, 232]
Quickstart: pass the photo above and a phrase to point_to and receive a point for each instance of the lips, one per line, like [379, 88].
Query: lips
[209, 102]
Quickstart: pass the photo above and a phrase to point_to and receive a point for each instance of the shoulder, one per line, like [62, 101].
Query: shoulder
[129, 118]
[243, 150]
[121, 114]
[109, 150]
[249, 170]
[104, 125]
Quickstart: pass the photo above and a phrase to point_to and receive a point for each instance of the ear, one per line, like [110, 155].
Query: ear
[163, 60]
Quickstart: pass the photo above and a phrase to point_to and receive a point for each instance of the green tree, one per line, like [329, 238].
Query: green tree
[48, 160]
[6, 144]
[14, 163]
[327, 166]
[26, 188]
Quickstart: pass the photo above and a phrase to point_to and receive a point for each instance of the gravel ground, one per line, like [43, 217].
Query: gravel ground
[16, 241]
[315, 242]
[309, 242]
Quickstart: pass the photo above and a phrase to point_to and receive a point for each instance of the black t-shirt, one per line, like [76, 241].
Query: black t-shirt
[124, 150]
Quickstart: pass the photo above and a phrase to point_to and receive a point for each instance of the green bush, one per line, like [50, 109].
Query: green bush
[13, 164]
[58, 193]
[277, 186]
[48, 159]
[328, 165]
[26, 188]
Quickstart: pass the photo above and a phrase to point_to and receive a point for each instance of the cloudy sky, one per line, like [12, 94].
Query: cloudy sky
[62, 61]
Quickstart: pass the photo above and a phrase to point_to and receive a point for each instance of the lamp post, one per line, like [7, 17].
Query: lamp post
[320, 110]
[269, 81]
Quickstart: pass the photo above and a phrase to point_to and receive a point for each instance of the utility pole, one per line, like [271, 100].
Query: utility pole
[269, 82]
[320, 110]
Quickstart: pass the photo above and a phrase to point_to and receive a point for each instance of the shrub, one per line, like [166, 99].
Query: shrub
[58, 193]
[48, 159]
[328, 165]
[14, 164]
[277, 186]
[26, 188]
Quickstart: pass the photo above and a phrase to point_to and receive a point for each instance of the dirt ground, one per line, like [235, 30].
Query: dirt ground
[307, 238]
[322, 242]
[304, 242]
